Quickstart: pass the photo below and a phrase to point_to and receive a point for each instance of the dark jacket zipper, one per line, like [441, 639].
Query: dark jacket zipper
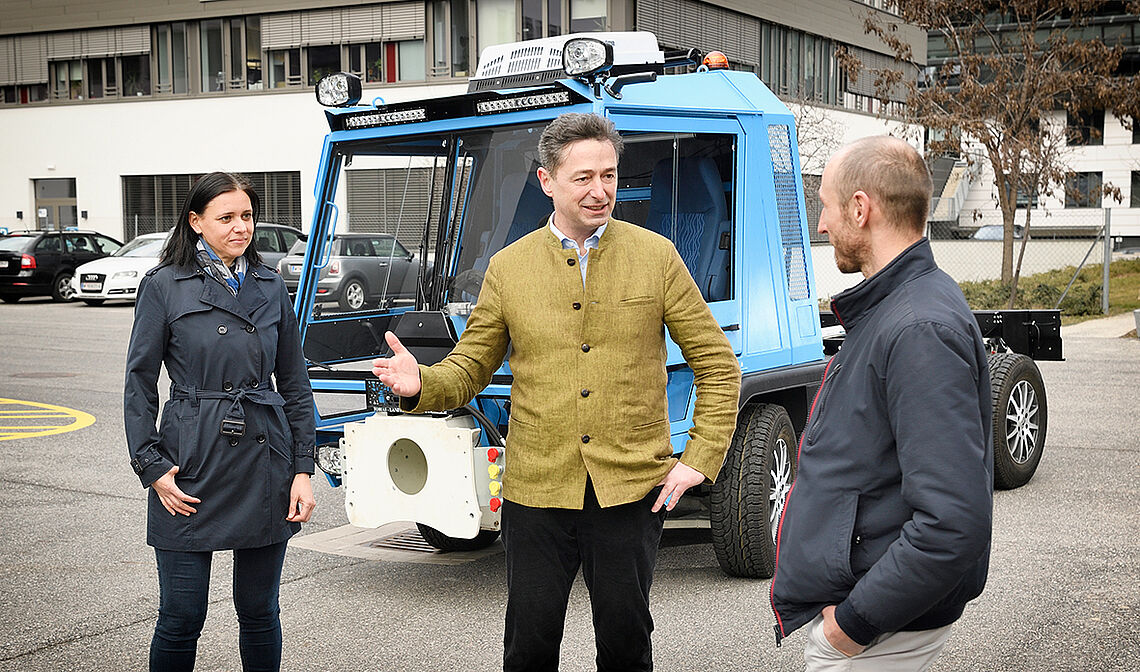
[778, 628]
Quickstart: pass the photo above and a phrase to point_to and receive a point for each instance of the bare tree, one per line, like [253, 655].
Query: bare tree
[1010, 64]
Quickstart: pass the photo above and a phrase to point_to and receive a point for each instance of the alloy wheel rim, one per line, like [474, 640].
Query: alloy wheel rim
[1021, 425]
[355, 296]
[781, 475]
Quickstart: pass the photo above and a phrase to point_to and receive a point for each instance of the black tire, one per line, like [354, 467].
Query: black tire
[748, 498]
[9, 298]
[1021, 416]
[94, 302]
[61, 287]
[445, 543]
[353, 295]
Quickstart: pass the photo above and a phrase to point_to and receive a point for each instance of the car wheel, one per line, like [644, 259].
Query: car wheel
[352, 297]
[9, 298]
[94, 302]
[747, 500]
[1020, 418]
[445, 543]
[61, 289]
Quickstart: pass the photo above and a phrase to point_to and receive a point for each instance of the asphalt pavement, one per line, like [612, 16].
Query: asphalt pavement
[79, 588]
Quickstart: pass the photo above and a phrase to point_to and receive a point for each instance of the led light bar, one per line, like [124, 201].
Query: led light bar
[531, 102]
[374, 119]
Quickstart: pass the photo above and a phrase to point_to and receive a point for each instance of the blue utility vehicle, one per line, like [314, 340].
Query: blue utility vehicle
[711, 163]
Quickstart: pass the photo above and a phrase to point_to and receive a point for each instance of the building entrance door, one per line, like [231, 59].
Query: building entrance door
[55, 204]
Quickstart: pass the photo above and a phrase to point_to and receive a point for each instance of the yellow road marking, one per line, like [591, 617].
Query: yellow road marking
[15, 409]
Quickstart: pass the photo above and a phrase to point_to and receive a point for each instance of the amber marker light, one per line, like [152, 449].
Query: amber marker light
[715, 60]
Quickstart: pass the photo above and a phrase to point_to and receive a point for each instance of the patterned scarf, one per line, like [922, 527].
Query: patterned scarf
[209, 261]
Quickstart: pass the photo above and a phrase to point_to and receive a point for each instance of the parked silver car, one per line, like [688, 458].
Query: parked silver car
[364, 269]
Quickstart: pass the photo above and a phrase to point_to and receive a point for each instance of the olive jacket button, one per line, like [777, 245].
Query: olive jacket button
[570, 262]
[585, 392]
[577, 306]
[222, 329]
[585, 347]
[585, 438]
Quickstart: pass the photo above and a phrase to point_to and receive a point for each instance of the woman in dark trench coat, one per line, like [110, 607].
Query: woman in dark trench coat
[228, 466]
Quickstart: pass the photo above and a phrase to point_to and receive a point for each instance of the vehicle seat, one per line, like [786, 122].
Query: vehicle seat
[701, 220]
[359, 250]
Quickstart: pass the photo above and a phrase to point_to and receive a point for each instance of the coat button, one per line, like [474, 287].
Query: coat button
[227, 386]
[585, 347]
[254, 384]
[570, 262]
[585, 438]
[261, 438]
[585, 392]
[233, 442]
[222, 329]
[577, 306]
[249, 328]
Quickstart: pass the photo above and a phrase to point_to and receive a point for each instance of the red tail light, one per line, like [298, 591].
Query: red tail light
[27, 262]
[334, 267]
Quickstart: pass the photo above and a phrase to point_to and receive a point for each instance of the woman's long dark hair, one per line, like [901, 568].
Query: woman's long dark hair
[181, 248]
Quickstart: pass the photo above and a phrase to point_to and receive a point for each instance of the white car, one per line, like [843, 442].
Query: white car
[118, 276]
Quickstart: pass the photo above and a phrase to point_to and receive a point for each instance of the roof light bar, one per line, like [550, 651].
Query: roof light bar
[530, 102]
[373, 119]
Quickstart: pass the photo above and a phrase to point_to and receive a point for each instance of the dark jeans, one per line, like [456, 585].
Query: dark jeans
[184, 589]
[616, 548]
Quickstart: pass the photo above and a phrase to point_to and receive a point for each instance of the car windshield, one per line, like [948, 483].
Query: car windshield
[14, 243]
[141, 247]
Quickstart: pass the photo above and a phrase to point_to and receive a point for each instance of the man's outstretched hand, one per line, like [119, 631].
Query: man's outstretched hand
[400, 372]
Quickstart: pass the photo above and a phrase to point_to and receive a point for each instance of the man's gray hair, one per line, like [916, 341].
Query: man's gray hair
[890, 171]
[572, 127]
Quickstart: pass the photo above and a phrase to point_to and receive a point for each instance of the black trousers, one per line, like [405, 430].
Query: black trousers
[616, 548]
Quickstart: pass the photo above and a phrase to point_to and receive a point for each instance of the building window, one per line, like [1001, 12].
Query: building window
[587, 16]
[284, 68]
[1085, 128]
[495, 22]
[136, 75]
[1083, 190]
[411, 60]
[365, 61]
[230, 53]
[802, 66]
[23, 94]
[323, 61]
[67, 79]
[170, 53]
[450, 39]
[1134, 200]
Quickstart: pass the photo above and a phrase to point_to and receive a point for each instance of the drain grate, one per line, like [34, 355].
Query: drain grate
[405, 540]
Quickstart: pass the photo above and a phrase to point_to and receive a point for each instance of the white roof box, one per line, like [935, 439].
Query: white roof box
[537, 62]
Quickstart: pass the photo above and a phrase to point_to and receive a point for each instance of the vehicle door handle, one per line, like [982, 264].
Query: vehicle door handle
[383, 263]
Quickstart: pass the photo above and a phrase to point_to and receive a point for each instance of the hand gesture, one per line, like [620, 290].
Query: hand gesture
[400, 372]
[172, 496]
[679, 479]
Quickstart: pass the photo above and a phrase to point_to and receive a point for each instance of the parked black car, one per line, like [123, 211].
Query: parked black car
[41, 263]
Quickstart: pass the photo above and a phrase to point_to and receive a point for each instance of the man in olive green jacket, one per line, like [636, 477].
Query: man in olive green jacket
[583, 304]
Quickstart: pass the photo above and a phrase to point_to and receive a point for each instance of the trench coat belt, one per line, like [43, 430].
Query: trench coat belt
[233, 423]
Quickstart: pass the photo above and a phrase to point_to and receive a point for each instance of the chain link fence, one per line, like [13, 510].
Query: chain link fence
[1059, 246]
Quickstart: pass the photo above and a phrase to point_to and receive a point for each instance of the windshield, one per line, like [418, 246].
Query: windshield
[141, 247]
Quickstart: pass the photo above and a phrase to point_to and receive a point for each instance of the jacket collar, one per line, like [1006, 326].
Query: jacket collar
[852, 305]
[250, 297]
[612, 229]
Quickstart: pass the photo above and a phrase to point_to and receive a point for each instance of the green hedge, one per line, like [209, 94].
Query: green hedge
[1043, 289]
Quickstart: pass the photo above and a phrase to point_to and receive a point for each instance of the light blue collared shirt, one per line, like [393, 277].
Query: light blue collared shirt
[570, 244]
